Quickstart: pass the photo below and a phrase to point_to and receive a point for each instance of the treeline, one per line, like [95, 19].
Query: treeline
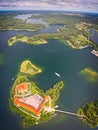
[11, 23]
[54, 92]
[90, 110]
[75, 29]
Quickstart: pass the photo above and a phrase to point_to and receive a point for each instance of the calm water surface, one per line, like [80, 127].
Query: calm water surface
[31, 20]
[23, 16]
[53, 57]
[94, 35]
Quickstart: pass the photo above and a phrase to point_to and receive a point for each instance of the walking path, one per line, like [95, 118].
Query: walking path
[70, 113]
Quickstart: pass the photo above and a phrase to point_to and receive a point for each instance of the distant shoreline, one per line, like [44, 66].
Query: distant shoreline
[37, 10]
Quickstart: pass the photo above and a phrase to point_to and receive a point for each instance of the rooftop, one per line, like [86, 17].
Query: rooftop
[33, 103]
[22, 87]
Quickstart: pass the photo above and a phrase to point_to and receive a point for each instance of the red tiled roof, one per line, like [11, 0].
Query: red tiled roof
[22, 87]
[31, 108]
[26, 106]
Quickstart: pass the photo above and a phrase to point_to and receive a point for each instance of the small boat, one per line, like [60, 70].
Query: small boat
[12, 78]
[57, 74]
[56, 106]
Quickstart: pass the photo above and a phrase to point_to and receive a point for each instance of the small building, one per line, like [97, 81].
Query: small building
[23, 87]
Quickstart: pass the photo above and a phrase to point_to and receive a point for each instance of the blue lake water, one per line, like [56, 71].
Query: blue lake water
[28, 19]
[53, 57]
[23, 16]
[94, 36]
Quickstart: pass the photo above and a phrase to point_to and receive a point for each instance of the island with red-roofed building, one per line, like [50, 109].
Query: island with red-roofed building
[29, 101]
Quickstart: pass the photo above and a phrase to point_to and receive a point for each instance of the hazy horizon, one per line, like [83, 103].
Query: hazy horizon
[59, 5]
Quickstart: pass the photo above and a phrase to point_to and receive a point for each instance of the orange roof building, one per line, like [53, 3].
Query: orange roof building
[26, 106]
[46, 98]
[16, 101]
[19, 102]
[22, 87]
[33, 103]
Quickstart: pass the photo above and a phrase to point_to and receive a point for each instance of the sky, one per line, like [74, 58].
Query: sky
[69, 5]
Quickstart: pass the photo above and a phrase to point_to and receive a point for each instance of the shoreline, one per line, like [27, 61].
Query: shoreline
[94, 52]
[29, 30]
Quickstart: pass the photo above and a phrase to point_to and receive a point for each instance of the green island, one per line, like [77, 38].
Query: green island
[29, 101]
[74, 31]
[90, 75]
[90, 110]
[27, 67]
[25, 39]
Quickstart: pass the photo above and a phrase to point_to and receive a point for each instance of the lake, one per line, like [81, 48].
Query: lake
[28, 19]
[94, 35]
[55, 56]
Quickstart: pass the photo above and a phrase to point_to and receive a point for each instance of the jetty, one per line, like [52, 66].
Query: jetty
[70, 113]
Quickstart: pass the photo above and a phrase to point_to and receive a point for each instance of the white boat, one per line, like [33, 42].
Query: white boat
[57, 74]
[12, 78]
[56, 106]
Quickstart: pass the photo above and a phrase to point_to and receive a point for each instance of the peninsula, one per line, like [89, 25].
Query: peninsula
[29, 101]
[25, 39]
[73, 32]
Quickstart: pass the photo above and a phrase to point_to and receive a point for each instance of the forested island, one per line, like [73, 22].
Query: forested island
[90, 110]
[29, 101]
[27, 67]
[74, 31]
